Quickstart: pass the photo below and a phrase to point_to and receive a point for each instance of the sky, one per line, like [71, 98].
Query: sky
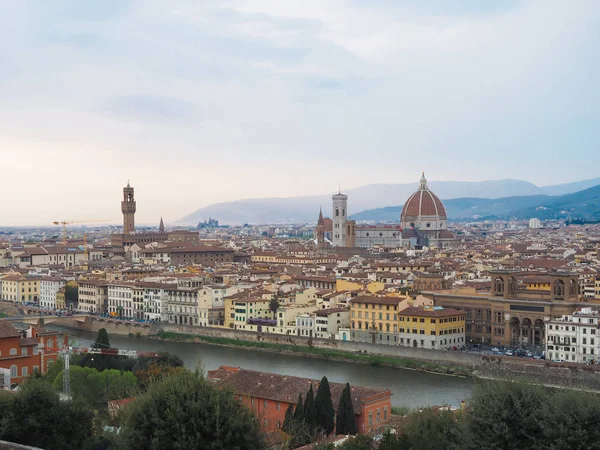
[197, 102]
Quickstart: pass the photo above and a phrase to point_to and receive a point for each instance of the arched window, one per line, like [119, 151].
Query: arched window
[337, 212]
[13, 351]
[499, 286]
[13, 371]
[559, 289]
[572, 288]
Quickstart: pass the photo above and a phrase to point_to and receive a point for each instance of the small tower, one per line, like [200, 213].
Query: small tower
[161, 227]
[320, 230]
[340, 216]
[128, 210]
[423, 185]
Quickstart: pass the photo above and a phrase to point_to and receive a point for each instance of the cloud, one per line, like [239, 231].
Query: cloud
[152, 108]
[230, 99]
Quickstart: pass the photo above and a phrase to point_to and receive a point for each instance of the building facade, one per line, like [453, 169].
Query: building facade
[49, 287]
[128, 208]
[573, 338]
[432, 327]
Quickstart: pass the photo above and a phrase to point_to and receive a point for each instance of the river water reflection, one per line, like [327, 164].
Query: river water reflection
[409, 388]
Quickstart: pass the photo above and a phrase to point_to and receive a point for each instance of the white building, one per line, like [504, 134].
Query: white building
[305, 325]
[573, 338]
[155, 302]
[120, 299]
[49, 286]
[329, 321]
[535, 223]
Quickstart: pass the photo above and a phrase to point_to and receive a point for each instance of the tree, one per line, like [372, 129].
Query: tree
[185, 411]
[431, 429]
[345, 420]
[289, 418]
[299, 411]
[274, 306]
[71, 296]
[324, 407]
[310, 411]
[37, 417]
[102, 340]
[360, 442]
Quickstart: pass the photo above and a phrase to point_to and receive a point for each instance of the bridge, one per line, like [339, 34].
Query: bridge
[32, 315]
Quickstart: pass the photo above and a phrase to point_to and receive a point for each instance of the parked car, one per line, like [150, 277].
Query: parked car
[509, 353]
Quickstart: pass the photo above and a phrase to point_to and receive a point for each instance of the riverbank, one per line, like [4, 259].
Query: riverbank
[320, 353]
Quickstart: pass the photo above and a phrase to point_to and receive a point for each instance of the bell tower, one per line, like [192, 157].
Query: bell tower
[128, 210]
[340, 217]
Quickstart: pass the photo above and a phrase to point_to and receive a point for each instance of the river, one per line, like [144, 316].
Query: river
[409, 388]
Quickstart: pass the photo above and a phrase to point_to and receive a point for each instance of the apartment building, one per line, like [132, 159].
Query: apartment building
[20, 289]
[120, 299]
[93, 296]
[182, 305]
[573, 338]
[375, 319]
[431, 327]
[49, 287]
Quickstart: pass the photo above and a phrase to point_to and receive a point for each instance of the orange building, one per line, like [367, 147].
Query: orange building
[268, 395]
[24, 353]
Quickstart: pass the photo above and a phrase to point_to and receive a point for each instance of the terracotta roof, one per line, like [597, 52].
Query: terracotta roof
[430, 312]
[7, 330]
[371, 299]
[423, 203]
[285, 388]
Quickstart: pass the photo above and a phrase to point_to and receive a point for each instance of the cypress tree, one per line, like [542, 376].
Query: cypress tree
[324, 406]
[289, 418]
[310, 411]
[299, 411]
[345, 422]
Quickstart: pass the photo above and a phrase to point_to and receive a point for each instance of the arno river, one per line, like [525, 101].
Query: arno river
[409, 388]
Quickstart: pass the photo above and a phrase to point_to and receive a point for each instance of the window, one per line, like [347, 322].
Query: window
[385, 413]
[24, 372]
[266, 421]
[370, 418]
[264, 404]
[378, 416]
[277, 406]
[252, 401]
[24, 351]
[13, 351]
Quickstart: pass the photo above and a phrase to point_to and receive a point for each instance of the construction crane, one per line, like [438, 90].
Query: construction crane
[67, 351]
[64, 224]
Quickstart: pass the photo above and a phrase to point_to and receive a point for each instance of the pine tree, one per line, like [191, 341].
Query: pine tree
[299, 411]
[289, 418]
[310, 411]
[324, 406]
[345, 422]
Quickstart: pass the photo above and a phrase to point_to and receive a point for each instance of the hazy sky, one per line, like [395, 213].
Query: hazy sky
[204, 101]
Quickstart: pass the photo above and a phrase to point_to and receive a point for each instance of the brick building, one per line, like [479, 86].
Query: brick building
[268, 395]
[24, 353]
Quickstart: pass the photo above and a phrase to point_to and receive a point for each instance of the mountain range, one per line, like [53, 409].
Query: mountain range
[582, 204]
[462, 199]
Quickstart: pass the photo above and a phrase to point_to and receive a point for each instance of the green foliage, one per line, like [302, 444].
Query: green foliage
[37, 417]
[184, 411]
[102, 340]
[345, 420]
[514, 415]
[324, 407]
[310, 410]
[289, 417]
[430, 429]
[401, 410]
[299, 411]
[95, 388]
[71, 296]
[274, 306]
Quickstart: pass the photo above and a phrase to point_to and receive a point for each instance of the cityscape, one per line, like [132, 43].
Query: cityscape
[217, 232]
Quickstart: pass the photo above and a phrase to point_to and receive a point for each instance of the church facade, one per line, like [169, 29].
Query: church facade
[423, 223]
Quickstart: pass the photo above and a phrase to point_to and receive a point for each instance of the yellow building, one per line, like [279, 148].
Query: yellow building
[61, 302]
[20, 289]
[537, 284]
[346, 285]
[239, 310]
[375, 319]
[431, 327]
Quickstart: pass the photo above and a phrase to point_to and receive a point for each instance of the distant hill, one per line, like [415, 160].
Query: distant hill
[583, 204]
[305, 209]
